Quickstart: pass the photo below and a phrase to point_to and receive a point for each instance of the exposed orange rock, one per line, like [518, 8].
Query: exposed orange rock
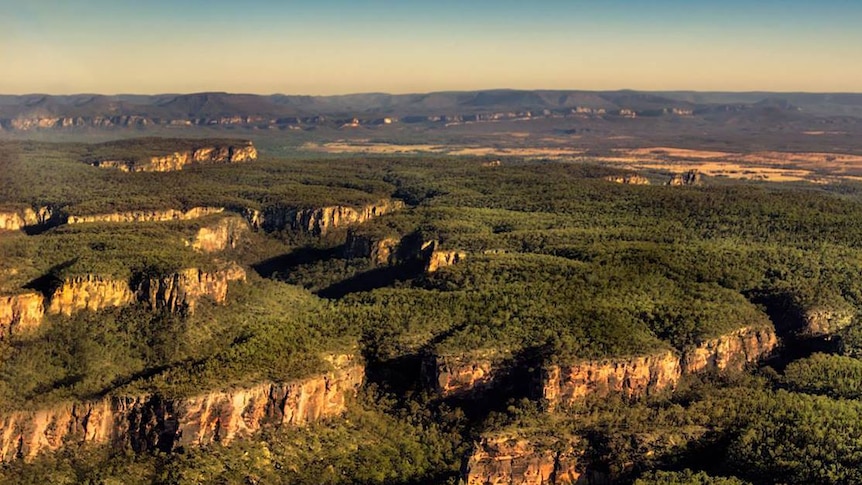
[633, 179]
[692, 177]
[29, 216]
[89, 292]
[450, 375]
[153, 423]
[19, 313]
[320, 220]
[518, 461]
[181, 291]
[823, 320]
[441, 258]
[381, 251]
[147, 216]
[233, 153]
[225, 233]
[730, 352]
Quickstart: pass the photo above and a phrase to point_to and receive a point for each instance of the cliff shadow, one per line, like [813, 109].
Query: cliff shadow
[286, 262]
[376, 278]
[49, 281]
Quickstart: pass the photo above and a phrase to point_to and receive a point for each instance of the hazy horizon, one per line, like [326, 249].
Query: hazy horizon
[338, 47]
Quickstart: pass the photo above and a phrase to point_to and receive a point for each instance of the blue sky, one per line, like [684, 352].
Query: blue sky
[327, 47]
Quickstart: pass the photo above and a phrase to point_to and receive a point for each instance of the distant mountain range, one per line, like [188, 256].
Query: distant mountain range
[39, 111]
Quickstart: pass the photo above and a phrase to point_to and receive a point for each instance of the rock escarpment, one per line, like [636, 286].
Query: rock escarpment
[633, 179]
[232, 153]
[147, 216]
[155, 423]
[318, 221]
[692, 177]
[519, 461]
[176, 292]
[19, 313]
[380, 251]
[17, 220]
[819, 321]
[223, 234]
[452, 375]
[390, 251]
[730, 352]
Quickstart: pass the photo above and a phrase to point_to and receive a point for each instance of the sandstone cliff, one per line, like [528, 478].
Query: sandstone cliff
[823, 320]
[633, 179]
[88, 292]
[730, 352]
[382, 251]
[318, 221]
[181, 291]
[235, 153]
[442, 258]
[147, 216]
[452, 375]
[223, 234]
[31, 216]
[692, 177]
[154, 423]
[19, 313]
[518, 461]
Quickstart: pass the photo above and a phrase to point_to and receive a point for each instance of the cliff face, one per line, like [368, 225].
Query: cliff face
[19, 313]
[518, 461]
[692, 177]
[11, 221]
[243, 152]
[226, 233]
[821, 321]
[440, 259]
[318, 221]
[153, 423]
[147, 216]
[380, 251]
[631, 377]
[451, 375]
[730, 352]
[181, 291]
[89, 292]
[31, 216]
[633, 179]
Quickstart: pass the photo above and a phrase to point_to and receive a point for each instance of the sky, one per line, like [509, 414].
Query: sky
[340, 46]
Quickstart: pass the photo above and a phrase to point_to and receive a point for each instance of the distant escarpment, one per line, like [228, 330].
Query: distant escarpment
[632, 377]
[152, 422]
[222, 153]
[318, 221]
[176, 292]
[631, 179]
[692, 177]
[19, 313]
[146, 215]
[502, 460]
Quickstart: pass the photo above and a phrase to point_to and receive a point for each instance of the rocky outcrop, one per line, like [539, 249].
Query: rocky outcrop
[519, 461]
[632, 179]
[234, 153]
[822, 320]
[730, 352]
[442, 258]
[452, 374]
[19, 313]
[318, 221]
[31, 216]
[155, 423]
[181, 291]
[382, 251]
[88, 292]
[692, 177]
[223, 234]
[176, 292]
[630, 377]
[147, 216]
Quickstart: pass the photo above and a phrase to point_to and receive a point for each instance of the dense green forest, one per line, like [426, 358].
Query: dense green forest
[560, 266]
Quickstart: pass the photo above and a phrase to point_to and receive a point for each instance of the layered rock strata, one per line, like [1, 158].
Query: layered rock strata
[237, 153]
[155, 423]
[318, 221]
[518, 461]
[19, 313]
[147, 216]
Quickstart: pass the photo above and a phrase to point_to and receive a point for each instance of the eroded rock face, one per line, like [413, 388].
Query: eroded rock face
[242, 152]
[442, 258]
[153, 423]
[633, 179]
[730, 352]
[147, 216]
[89, 292]
[181, 291]
[820, 321]
[631, 377]
[11, 221]
[318, 221]
[30, 216]
[224, 234]
[692, 177]
[452, 375]
[19, 313]
[380, 252]
[518, 461]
